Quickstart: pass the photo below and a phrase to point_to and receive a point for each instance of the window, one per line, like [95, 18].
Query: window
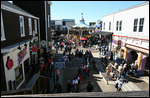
[135, 25]
[2, 29]
[120, 25]
[22, 26]
[35, 23]
[117, 25]
[141, 24]
[104, 26]
[48, 21]
[109, 25]
[30, 26]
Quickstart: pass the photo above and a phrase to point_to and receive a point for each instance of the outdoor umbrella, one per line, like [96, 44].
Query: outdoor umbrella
[83, 38]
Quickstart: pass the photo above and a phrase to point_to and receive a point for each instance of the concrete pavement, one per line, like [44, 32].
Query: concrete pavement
[96, 79]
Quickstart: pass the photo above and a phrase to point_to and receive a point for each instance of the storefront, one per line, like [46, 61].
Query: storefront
[139, 54]
[15, 62]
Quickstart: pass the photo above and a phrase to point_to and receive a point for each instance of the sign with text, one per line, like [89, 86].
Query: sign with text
[60, 65]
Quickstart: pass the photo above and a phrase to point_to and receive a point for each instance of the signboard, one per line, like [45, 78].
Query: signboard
[60, 65]
[18, 74]
[21, 55]
[34, 49]
[9, 63]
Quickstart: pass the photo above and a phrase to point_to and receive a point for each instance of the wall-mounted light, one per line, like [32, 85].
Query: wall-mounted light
[30, 43]
[19, 47]
[25, 45]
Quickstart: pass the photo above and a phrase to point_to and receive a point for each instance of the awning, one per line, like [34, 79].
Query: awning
[102, 33]
[13, 47]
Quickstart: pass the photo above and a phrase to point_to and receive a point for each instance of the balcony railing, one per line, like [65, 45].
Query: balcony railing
[37, 85]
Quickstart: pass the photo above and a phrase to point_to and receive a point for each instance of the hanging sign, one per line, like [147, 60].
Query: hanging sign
[9, 63]
[34, 49]
[21, 55]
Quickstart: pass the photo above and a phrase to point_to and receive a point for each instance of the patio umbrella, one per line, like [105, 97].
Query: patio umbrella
[83, 38]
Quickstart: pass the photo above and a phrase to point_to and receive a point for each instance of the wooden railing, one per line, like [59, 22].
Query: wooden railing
[37, 85]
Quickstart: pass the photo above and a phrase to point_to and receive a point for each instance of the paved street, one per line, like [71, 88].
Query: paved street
[96, 79]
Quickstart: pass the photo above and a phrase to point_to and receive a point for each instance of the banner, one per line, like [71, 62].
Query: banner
[60, 65]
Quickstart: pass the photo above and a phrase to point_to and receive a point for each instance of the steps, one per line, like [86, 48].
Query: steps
[90, 94]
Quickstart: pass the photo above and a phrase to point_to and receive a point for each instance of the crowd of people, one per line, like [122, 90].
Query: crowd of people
[124, 68]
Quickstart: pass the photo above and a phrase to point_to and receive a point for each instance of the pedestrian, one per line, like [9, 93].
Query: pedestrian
[134, 67]
[108, 69]
[58, 88]
[68, 86]
[74, 85]
[61, 46]
[99, 50]
[119, 83]
[116, 65]
[80, 70]
[73, 58]
[42, 68]
[120, 69]
[96, 46]
[85, 71]
[89, 87]
[125, 69]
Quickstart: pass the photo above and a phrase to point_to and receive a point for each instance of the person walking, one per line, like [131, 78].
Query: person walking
[120, 69]
[119, 83]
[99, 50]
[96, 46]
[61, 46]
[42, 68]
[85, 71]
[89, 87]
[68, 86]
[58, 88]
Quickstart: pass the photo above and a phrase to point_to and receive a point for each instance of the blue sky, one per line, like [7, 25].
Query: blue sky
[92, 10]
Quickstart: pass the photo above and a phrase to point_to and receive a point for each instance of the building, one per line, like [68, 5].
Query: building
[62, 25]
[41, 9]
[130, 29]
[18, 30]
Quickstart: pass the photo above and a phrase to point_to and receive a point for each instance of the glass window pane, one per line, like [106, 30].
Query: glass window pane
[140, 28]
[135, 28]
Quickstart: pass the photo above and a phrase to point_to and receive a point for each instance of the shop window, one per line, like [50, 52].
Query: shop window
[35, 23]
[18, 74]
[30, 26]
[2, 29]
[141, 24]
[22, 29]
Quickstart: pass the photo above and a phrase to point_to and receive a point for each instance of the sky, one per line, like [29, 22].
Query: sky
[92, 10]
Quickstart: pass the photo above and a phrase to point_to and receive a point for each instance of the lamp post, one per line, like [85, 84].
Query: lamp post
[68, 32]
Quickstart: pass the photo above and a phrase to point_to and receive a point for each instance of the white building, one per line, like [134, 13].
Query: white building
[130, 29]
